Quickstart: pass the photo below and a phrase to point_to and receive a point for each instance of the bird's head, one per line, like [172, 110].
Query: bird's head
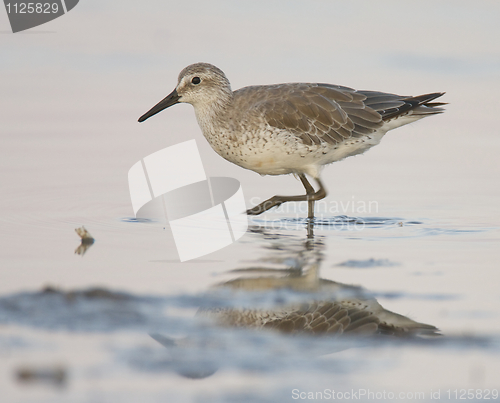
[200, 85]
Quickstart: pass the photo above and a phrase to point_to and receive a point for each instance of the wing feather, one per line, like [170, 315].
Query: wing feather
[326, 113]
[318, 113]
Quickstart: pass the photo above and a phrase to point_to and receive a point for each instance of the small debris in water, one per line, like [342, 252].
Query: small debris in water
[84, 234]
[87, 240]
[56, 375]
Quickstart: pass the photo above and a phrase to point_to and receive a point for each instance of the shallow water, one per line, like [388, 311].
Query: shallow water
[413, 224]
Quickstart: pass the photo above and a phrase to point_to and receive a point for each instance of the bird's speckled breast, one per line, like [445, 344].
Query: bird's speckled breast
[242, 137]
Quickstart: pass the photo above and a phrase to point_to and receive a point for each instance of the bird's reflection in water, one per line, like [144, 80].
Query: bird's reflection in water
[319, 307]
[329, 308]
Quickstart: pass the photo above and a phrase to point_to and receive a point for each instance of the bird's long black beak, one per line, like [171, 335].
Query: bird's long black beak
[169, 100]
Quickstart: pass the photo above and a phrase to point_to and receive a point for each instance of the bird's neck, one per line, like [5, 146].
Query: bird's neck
[211, 115]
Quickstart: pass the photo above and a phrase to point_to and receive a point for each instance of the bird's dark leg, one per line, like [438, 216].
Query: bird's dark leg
[309, 197]
[309, 192]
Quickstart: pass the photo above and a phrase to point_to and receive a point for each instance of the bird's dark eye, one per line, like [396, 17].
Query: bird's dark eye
[196, 80]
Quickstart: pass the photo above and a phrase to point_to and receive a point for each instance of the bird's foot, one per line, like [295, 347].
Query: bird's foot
[266, 205]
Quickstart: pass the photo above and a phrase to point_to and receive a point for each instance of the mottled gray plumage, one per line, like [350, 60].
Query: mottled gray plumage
[291, 128]
[318, 113]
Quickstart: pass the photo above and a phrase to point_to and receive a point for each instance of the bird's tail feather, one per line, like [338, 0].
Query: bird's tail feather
[417, 106]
